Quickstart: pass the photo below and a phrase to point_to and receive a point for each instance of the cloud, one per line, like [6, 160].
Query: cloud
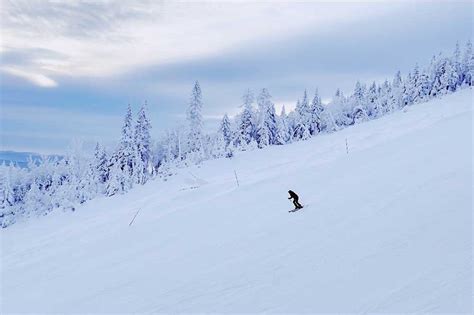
[103, 38]
[36, 78]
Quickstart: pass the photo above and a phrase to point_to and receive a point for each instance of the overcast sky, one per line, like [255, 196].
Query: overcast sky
[69, 68]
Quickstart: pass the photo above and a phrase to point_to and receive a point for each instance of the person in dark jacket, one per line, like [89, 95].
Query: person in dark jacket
[295, 199]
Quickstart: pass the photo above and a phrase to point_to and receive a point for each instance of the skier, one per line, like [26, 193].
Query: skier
[295, 199]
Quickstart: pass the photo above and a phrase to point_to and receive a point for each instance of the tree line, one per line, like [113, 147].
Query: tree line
[63, 183]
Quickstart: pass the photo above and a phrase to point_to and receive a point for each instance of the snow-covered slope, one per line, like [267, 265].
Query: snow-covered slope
[387, 228]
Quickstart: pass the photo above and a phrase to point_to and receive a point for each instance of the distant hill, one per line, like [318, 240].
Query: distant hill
[20, 158]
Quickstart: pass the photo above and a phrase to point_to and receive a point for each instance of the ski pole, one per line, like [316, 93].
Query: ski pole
[236, 178]
[134, 218]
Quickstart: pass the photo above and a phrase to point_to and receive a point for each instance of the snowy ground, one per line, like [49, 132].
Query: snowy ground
[387, 228]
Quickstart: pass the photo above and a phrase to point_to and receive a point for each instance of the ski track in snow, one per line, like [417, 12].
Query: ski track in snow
[389, 230]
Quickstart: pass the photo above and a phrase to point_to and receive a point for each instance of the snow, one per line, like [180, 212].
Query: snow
[388, 229]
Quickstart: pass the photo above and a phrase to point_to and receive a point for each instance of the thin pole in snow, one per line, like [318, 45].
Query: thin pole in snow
[195, 177]
[347, 147]
[236, 178]
[134, 217]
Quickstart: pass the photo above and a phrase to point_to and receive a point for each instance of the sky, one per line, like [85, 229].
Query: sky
[68, 69]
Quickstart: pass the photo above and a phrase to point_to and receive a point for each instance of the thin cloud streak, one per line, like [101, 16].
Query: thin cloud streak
[35, 78]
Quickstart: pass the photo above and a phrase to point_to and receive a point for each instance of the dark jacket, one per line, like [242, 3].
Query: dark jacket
[292, 195]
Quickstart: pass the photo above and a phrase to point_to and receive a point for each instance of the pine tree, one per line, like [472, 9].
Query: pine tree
[263, 100]
[246, 126]
[143, 160]
[60, 178]
[101, 164]
[438, 69]
[263, 136]
[283, 135]
[424, 86]
[456, 62]
[125, 154]
[407, 95]
[88, 185]
[381, 106]
[8, 203]
[359, 100]
[194, 116]
[171, 159]
[300, 129]
[415, 88]
[304, 110]
[359, 114]
[450, 77]
[74, 178]
[468, 65]
[267, 128]
[372, 100]
[302, 119]
[316, 124]
[225, 130]
[7, 197]
[117, 181]
[36, 202]
[217, 146]
[395, 101]
[122, 162]
[341, 110]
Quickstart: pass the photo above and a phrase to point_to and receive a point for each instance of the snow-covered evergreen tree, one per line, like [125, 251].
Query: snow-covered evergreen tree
[7, 198]
[101, 164]
[218, 146]
[195, 122]
[467, 66]
[267, 128]
[414, 89]
[395, 98]
[172, 155]
[304, 110]
[341, 110]
[300, 120]
[88, 185]
[424, 86]
[380, 107]
[8, 202]
[246, 124]
[457, 64]
[359, 101]
[329, 121]
[371, 107]
[225, 129]
[36, 201]
[125, 154]
[439, 77]
[283, 129]
[450, 77]
[408, 90]
[316, 109]
[143, 161]
[117, 182]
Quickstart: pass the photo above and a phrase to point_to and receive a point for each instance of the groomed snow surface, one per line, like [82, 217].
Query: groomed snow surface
[387, 228]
